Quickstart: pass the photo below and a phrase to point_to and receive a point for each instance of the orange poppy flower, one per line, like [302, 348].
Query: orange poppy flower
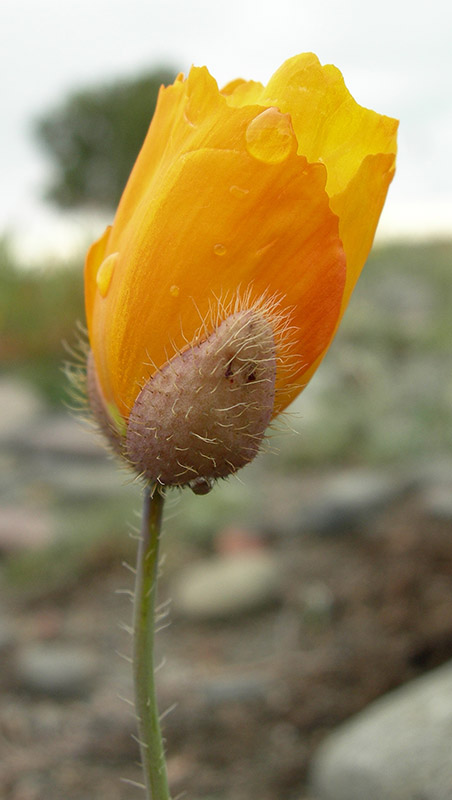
[268, 196]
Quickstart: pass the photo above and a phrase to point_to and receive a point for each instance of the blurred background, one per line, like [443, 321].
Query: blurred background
[320, 579]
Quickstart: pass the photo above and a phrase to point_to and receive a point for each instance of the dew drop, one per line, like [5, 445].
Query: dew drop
[174, 290]
[269, 136]
[188, 120]
[105, 273]
[237, 191]
[219, 249]
[201, 485]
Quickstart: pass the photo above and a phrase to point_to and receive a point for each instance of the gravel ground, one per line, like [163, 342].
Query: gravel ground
[358, 613]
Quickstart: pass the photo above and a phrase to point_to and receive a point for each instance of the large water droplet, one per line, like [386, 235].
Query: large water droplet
[219, 249]
[105, 273]
[174, 290]
[269, 136]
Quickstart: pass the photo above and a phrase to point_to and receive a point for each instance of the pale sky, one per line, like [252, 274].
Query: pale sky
[396, 57]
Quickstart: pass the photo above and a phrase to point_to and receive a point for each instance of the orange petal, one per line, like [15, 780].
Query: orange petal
[190, 114]
[359, 207]
[218, 198]
[222, 220]
[94, 258]
[243, 93]
[155, 152]
[329, 124]
[230, 87]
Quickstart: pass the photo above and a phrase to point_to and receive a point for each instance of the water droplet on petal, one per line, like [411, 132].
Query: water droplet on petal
[269, 136]
[174, 290]
[237, 191]
[105, 273]
[188, 120]
[219, 249]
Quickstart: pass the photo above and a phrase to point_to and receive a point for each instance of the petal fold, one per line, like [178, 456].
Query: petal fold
[264, 190]
[224, 220]
[329, 124]
[359, 207]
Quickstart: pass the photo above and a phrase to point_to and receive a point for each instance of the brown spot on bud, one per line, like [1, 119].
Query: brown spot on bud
[204, 414]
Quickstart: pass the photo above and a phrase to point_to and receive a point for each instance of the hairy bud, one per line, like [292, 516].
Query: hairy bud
[204, 414]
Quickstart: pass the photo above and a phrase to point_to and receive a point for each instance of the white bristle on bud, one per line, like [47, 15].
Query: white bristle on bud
[203, 415]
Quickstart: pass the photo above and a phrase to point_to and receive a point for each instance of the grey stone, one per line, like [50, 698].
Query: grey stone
[226, 586]
[348, 500]
[63, 436]
[6, 634]
[58, 670]
[409, 299]
[399, 748]
[24, 528]
[84, 481]
[317, 603]
[111, 730]
[19, 406]
[9, 476]
[434, 471]
[235, 689]
[437, 502]
[433, 479]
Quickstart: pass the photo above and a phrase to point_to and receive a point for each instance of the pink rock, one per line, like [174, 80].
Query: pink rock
[238, 540]
[23, 529]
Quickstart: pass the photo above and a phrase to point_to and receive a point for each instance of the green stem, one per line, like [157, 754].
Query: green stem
[150, 736]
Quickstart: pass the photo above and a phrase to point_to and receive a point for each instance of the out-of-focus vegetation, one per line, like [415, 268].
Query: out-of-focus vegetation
[39, 309]
[384, 391]
[382, 396]
[94, 138]
[387, 377]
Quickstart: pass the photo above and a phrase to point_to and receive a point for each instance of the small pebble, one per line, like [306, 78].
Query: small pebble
[56, 670]
[228, 585]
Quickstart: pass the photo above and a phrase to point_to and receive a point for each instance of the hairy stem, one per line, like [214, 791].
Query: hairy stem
[150, 736]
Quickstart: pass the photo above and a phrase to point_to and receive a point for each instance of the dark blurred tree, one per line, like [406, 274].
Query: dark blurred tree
[95, 136]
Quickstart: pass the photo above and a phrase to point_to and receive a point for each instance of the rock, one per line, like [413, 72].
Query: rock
[63, 436]
[399, 748]
[181, 770]
[7, 643]
[9, 477]
[317, 603]
[235, 539]
[433, 471]
[349, 500]
[110, 731]
[433, 479]
[229, 585]
[55, 669]
[19, 406]
[437, 502]
[6, 635]
[85, 481]
[24, 528]
[249, 688]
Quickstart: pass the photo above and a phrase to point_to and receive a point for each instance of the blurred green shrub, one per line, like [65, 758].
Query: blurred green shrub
[94, 137]
[39, 309]
[392, 352]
